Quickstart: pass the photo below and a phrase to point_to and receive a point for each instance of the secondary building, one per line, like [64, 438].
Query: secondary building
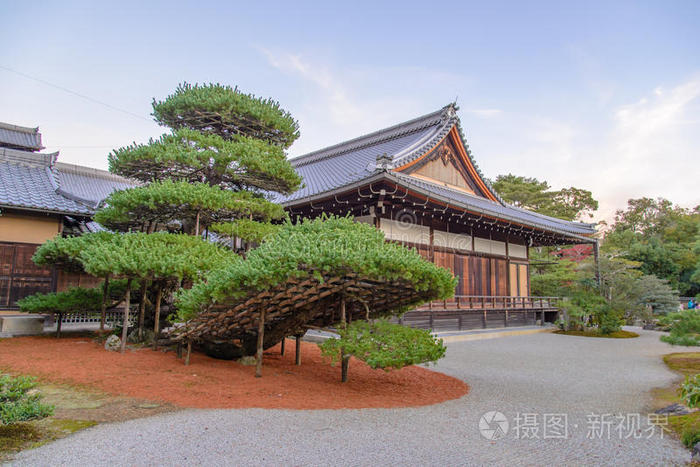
[39, 199]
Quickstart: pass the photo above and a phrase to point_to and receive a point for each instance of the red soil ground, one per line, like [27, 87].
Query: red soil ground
[211, 383]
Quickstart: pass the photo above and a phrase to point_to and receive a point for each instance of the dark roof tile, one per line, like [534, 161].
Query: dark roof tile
[20, 137]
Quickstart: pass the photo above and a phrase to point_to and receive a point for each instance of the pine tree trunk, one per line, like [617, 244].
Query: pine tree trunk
[125, 324]
[261, 336]
[156, 318]
[142, 308]
[103, 309]
[58, 325]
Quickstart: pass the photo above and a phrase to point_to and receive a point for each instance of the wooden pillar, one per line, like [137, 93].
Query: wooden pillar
[297, 355]
[103, 308]
[282, 346]
[189, 351]
[345, 361]
[156, 325]
[484, 318]
[261, 335]
[125, 324]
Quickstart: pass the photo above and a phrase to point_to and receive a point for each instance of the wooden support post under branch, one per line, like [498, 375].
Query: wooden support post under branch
[282, 346]
[345, 362]
[189, 351]
[297, 355]
[259, 355]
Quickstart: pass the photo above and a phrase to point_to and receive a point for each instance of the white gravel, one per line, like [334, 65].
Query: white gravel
[537, 373]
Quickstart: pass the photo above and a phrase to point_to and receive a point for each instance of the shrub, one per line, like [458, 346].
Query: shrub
[690, 437]
[19, 401]
[690, 391]
[684, 328]
[608, 320]
[384, 345]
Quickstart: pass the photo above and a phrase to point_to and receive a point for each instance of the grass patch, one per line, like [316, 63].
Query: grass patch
[685, 363]
[68, 426]
[621, 334]
[18, 436]
[686, 427]
[14, 437]
[76, 409]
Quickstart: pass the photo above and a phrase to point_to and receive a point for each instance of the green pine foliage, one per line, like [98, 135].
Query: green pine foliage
[19, 401]
[167, 201]
[64, 252]
[75, 299]
[69, 301]
[331, 246]
[159, 256]
[187, 155]
[246, 229]
[222, 110]
[384, 345]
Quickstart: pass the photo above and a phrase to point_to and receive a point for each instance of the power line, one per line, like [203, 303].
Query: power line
[69, 91]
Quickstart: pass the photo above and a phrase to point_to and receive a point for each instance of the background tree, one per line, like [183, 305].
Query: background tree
[529, 193]
[661, 238]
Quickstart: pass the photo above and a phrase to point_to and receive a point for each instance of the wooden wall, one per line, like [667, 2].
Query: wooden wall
[19, 276]
[477, 275]
[485, 267]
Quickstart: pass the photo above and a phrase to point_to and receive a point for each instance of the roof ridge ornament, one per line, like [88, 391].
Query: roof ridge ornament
[384, 162]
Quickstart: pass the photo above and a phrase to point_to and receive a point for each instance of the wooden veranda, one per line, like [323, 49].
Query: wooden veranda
[464, 312]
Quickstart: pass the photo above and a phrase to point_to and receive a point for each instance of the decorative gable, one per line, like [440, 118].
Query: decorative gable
[448, 164]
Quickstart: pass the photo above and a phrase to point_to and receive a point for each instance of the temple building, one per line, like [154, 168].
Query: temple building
[39, 199]
[418, 182]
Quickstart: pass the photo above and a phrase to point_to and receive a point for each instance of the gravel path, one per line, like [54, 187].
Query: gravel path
[537, 373]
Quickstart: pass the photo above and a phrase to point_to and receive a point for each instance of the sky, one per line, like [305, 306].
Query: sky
[603, 96]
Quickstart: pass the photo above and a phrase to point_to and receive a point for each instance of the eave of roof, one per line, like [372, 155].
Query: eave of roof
[574, 230]
[20, 136]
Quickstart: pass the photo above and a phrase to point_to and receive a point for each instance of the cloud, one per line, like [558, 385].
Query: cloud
[653, 148]
[647, 147]
[335, 102]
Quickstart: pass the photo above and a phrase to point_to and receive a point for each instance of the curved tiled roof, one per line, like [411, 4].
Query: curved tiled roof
[19, 137]
[347, 164]
[34, 181]
[88, 185]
